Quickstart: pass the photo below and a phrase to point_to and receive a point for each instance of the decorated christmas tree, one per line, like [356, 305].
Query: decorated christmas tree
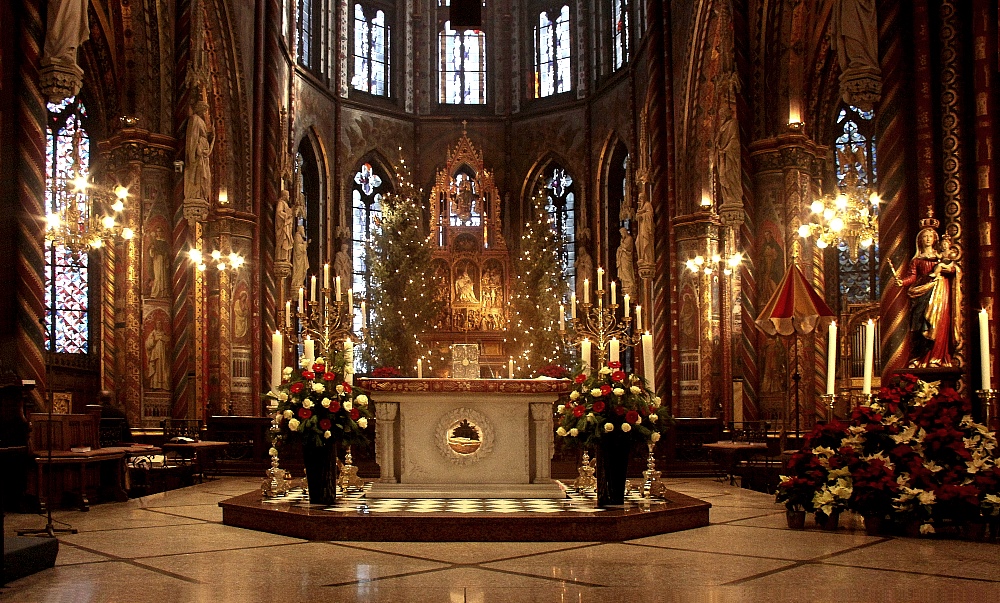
[402, 293]
[539, 288]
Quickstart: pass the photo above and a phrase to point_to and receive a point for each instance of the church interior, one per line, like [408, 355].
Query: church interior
[532, 300]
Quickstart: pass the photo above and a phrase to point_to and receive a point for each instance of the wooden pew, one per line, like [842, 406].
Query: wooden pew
[98, 471]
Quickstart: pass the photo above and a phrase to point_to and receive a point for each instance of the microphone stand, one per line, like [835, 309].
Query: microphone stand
[49, 530]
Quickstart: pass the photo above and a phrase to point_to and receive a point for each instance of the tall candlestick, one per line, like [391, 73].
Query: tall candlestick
[614, 293]
[288, 313]
[420, 368]
[627, 300]
[312, 288]
[309, 349]
[572, 306]
[866, 387]
[638, 317]
[350, 301]
[277, 347]
[648, 365]
[510, 368]
[326, 276]
[984, 349]
[364, 314]
[337, 287]
[562, 318]
[600, 278]
[585, 354]
[615, 349]
[586, 291]
[831, 358]
[302, 302]
[349, 361]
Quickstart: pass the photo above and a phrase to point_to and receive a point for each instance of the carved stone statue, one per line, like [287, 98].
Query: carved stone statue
[855, 38]
[463, 204]
[627, 209]
[465, 288]
[626, 259]
[300, 257]
[644, 240]
[284, 229]
[157, 364]
[342, 267]
[584, 269]
[727, 149]
[159, 253]
[200, 141]
[66, 29]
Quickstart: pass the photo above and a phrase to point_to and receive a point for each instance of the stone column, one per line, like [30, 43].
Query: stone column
[542, 445]
[386, 440]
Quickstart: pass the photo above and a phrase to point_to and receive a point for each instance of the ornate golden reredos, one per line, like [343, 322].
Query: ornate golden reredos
[465, 157]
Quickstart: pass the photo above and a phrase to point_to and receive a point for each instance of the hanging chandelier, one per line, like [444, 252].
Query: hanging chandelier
[84, 215]
[849, 218]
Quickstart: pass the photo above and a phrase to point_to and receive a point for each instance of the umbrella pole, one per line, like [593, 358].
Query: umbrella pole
[796, 377]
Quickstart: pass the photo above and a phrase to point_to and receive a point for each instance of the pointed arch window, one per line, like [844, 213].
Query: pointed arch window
[552, 52]
[620, 32]
[856, 150]
[462, 69]
[312, 35]
[369, 185]
[371, 50]
[561, 205]
[67, 273]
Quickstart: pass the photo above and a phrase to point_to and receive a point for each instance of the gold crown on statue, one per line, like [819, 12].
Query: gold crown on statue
[930, 221]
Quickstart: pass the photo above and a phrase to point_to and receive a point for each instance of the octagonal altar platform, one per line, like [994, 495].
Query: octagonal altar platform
[356, 517]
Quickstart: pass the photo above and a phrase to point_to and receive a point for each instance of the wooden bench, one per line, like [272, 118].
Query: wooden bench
[98, 471]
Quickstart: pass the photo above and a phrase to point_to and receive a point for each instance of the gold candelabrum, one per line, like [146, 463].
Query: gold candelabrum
[600, 324]
[325, 320]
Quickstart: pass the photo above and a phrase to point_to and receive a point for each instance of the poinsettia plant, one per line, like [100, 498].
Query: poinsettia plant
[316, 404]
[610, 401]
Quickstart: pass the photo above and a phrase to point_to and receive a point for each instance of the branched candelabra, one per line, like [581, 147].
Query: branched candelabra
[322, 320]
[600, 324]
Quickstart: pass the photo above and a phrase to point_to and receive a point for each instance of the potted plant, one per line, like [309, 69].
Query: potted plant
[320, 410]
[874, 489]
[609, 410]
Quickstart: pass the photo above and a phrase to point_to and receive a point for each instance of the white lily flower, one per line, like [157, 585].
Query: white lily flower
[363, 423]
[574, 432]
[293, 424]
[604, 371]
[653, 417]
[307, 403]
[362, 400]
[340, 389]
[635, 389]
[318, 387]
[573, 395]
[618, 391]
[561, 408]
[348, 406]
[596, 392]
[561, 431]
[325, 402]
[288, 414]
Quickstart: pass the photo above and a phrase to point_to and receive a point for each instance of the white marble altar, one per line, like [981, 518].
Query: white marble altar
[464, 438]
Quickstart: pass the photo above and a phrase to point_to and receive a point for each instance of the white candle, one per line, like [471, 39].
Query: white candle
[586, 290]
[277, 344]
[866, 387]
[562, 318]
[349, 361]
[288, 313]
[337, 287]
[309, 349]
[572, 306]
[350, 301]
[364, 314]
[627, 301]
[615, 349]
[326, 276]
[510, 368]
[312, 288]
[420, 368]
[585, 355]
[600, 278]
[638, 317]
[648, 366]
[614, 293]
[831, 358]
[302, 302]
[984, 349]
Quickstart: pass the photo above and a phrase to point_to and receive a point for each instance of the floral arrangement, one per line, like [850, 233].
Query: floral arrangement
[316, 405]
[610, 402]
[916, 455]
[554, 371]
[386, 372]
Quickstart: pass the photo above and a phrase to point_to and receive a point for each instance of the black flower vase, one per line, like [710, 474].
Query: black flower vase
[321, 472]
[612, 465]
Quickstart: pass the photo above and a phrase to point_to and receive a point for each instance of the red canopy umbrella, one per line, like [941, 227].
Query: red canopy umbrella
[795, 308]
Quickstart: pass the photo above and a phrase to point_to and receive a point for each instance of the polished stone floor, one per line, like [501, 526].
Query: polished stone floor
[172, 547]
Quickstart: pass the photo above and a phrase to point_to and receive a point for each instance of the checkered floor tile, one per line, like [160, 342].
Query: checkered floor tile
[356, 501]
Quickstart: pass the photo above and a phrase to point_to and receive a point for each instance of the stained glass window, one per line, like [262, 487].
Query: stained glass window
[620, 37]
[552, 53]
[463, 66]
[313, 35]
[67, 289]
[304, 32]
[371, 51]
[856, 151]
[562, 213]
[368, 189]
